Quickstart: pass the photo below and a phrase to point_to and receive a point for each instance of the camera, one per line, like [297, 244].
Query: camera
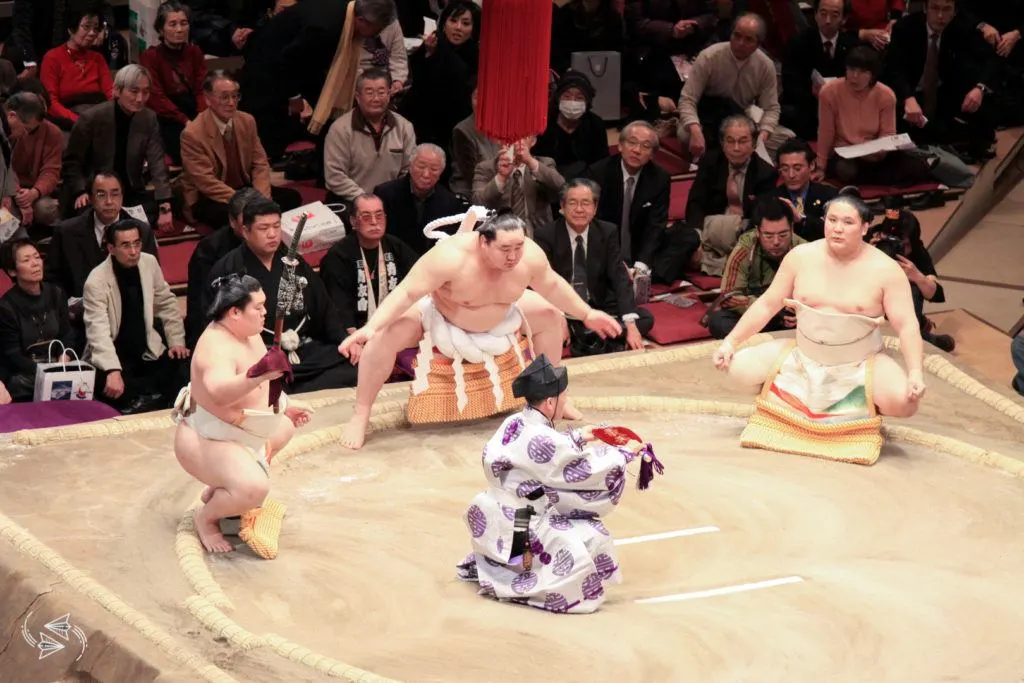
[889, 244]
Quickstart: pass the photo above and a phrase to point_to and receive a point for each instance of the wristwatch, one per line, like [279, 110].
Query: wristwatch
[983, 88]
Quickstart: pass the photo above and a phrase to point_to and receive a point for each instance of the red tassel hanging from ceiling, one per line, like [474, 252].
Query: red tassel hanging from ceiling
[515, 50]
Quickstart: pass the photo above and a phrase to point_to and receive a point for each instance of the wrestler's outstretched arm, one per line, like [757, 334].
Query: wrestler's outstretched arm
[553, 287]
[429, 274]
[767, 306]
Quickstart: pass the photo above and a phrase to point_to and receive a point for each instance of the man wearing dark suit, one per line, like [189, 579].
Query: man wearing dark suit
[634, 195]
[727, 185]
[821, 47]
[122, 135]
[807, 199]
[77, 244]
[942, 71]
[585, 252]
[415, 199]
[1001, 24]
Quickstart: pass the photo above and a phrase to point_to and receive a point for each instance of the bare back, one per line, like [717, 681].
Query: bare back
[857, 286]
[218, 350]
[475, 296]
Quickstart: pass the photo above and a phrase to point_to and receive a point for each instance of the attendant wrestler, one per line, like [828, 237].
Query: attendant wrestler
[839, 286]
[226, 435]
[475, 280]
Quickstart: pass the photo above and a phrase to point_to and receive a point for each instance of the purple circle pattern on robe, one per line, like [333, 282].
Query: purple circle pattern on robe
[500, 465]
[590, 495]
[615, 480]
[500, 544]
[541, 449]
[545, 558]
[605, 566]
[512, 430]
[598, 525]
[556, 602]
[563, 563]
[560, 522]
[487, 590]
[524, 583]
[592, 587]
[527, 487]
[576, 471]
[552, 495]
[509, 512]
[477, 521]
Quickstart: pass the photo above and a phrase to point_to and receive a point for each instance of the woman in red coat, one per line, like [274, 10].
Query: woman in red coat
[178, 70]
[76, 76]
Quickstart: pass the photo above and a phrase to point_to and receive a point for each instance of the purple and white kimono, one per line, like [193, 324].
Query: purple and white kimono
[573, 555]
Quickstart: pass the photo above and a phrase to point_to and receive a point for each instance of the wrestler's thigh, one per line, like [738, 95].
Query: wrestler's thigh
[403, 333]
[282, 434]
[221, 464]
[751, 365]
[889, 388]
[541, 314]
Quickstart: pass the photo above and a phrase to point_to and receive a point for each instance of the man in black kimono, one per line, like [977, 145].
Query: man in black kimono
[318, 326]
[360, 270]
[211, 249]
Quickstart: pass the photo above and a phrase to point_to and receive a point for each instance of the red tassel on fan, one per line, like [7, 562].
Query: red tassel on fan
[515, 51]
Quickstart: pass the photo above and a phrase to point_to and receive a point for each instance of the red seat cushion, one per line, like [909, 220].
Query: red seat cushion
[174, 261]
[5, 283]
[678, 196]
[300, 146]
[673, 324]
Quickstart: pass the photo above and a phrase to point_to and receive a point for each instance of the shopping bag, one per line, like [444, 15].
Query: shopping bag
[323, 226]
[604, 69]
[64, 381]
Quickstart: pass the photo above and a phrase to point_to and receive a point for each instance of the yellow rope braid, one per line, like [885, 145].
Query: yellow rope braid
[26, 543]
[222, 626]
[192, 560]
[332, 667]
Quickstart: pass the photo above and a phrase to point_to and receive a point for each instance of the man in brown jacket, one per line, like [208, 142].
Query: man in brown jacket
[221, 153]
[38, 145]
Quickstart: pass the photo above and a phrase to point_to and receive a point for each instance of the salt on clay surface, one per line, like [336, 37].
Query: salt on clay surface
[911, 568]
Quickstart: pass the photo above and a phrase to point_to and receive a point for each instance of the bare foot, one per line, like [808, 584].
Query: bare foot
[569, 412]
[354, 434]
[210, 536]
[207, 494]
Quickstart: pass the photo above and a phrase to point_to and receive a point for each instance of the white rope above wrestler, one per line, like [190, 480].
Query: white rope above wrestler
[466, 222]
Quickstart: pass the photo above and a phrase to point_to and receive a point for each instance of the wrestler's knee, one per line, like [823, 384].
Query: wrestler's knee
[750, 367]
[282, 435]
[252, 491]
[889, 389]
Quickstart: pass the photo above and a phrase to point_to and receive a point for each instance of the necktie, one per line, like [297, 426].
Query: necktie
[579, 268]
[930, 80]
[517, 195]
[627, 205]
[828, 49]
[800, 205]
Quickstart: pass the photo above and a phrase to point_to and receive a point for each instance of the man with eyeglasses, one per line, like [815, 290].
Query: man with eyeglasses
[362, 269]
[135, 370]
[221, 153]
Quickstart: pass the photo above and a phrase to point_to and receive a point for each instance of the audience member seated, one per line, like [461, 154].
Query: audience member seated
[575, 137]
[519, 181]
[33, 313]
[807, 199]
[1000, 23]
[77, 244]
[317, 329]
[370, 144]
[362, 269]
[221, 153]
[208, 251]
[585, 251]
[178, 70]
[665, 36]
[752, 266]
[122, 135]
[76, 76]
[5, 397]
[443, 69]
[1016, 354]
[386, 51]
[413, 200]
[726, 79]
[729, 181]
[858, 109]
[585, 26]
[941, 70]
[822, 49]
[288, 61]
[899, 236]
[223, 27]
[634, 196]
[36, 26]
[36, 160]
[469, 148]
[125, 296]
[873, 20]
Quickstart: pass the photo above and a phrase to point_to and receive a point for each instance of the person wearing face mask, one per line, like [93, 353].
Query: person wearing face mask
[575, 137]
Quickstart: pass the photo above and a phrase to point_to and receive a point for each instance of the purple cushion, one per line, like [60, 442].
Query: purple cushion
[17, 416]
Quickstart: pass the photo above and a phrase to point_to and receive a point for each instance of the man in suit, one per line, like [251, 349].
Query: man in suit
[634, 195]
[122, 135]
[806, 198]
[728, 183]
[819, 48]
[942, 72]
[77, 245]
[1001, 24]
[124, 296]
[517, 180]
[221, 153]
[585, 252]
[415, 199]
[469, 148]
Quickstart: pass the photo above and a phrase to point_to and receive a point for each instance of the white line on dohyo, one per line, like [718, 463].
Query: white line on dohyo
[60, 627]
